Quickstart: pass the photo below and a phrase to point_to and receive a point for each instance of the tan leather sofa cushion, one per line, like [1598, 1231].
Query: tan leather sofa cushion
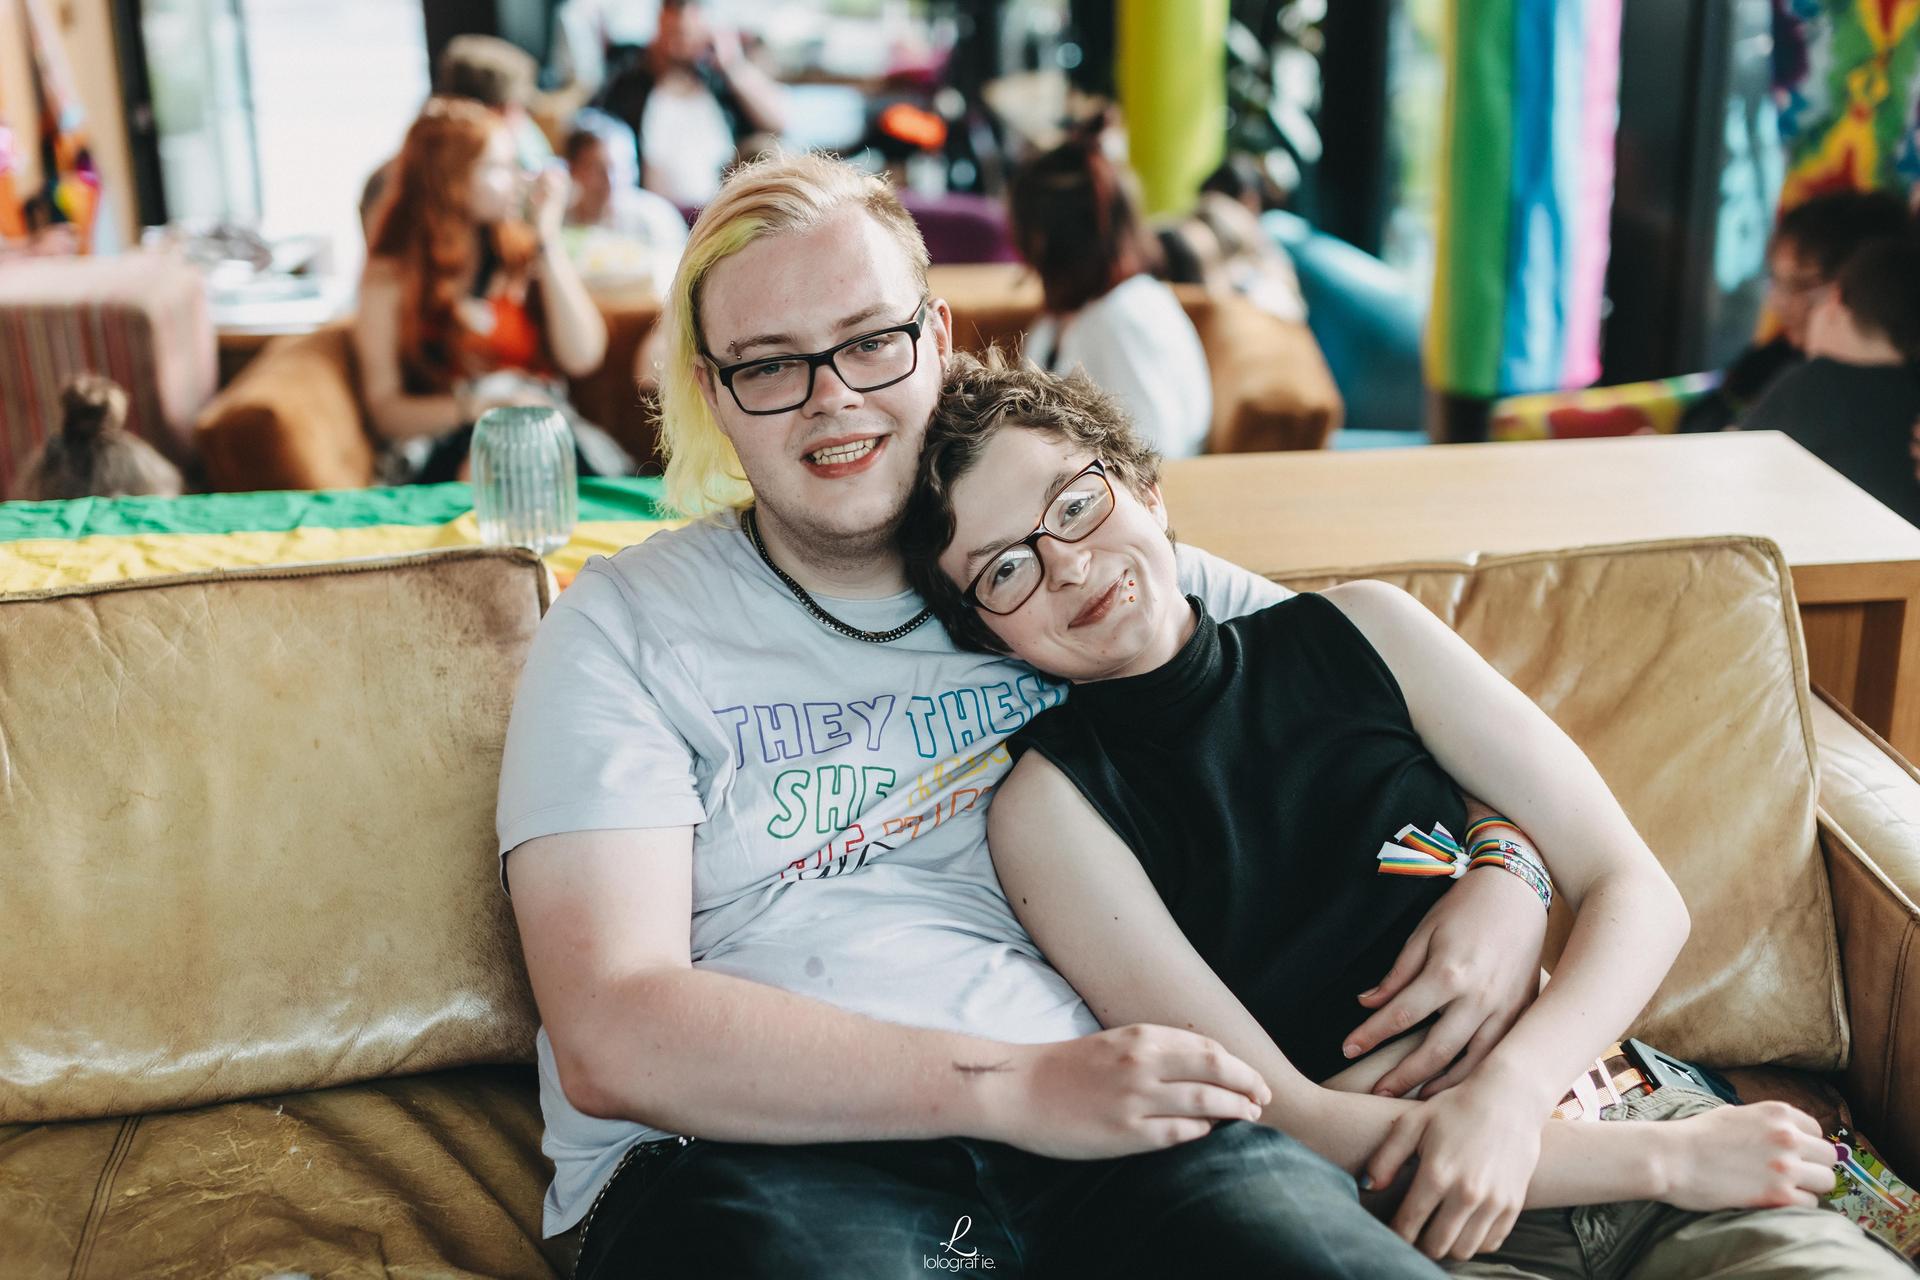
[1678, 668]
[436, 1176]
[47, 1178]
[246, 832]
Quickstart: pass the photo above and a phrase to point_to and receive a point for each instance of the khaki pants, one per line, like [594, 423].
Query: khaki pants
[1644, 1240]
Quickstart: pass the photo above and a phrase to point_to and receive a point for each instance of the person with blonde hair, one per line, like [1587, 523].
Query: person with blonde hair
[789, 1019]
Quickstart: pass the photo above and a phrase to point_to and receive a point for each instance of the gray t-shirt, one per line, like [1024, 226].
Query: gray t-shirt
[837, 790]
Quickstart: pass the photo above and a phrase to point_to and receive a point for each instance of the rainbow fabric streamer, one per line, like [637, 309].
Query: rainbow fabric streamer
[1526, 194]
[1413, 852]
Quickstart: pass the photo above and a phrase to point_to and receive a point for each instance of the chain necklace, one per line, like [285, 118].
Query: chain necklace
[752, 526]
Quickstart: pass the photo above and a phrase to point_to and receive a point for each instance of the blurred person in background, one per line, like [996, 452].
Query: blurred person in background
[1853, 401]
[1811, 243]
[616, 230]
[499, 76]
[1251, 262]
[696, 101]
[1077, 223]
[468, 301]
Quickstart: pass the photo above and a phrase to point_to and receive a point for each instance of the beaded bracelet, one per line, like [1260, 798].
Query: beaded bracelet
[1486, 848]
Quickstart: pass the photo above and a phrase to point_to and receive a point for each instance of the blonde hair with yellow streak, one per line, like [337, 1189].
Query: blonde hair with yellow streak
[774, 195]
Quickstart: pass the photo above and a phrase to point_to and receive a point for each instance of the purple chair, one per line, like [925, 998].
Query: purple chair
[962, 228]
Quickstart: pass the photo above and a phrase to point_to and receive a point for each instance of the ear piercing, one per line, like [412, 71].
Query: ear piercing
[1130, 584]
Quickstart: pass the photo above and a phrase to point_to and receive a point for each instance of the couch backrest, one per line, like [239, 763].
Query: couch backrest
[246, 837]
[1678, 668]
[246, 832]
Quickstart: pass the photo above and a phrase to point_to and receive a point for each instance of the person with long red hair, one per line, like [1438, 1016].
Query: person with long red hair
[465, 303]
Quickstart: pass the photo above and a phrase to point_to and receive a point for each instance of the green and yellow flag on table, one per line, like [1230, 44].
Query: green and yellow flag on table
[57, 544]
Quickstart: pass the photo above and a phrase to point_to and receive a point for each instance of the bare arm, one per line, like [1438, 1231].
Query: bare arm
[639, 1033]
[1088, 904]
[1474, 960]
[759, 95]
[395, 415]
[1629, 920]
[576, 331]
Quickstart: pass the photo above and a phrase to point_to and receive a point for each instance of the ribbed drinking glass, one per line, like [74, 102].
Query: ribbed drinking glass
[525, 488]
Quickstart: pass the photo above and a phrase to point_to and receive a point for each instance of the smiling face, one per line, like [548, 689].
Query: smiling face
[832, 475]
[1108, 605]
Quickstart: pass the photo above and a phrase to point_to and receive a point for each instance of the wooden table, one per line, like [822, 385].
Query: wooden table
[1856, 565]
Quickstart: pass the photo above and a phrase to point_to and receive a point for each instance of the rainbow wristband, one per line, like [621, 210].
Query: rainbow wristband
[1486, 847]
[1492, 826]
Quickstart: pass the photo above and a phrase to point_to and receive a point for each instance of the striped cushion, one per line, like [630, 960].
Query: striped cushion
[141, 319]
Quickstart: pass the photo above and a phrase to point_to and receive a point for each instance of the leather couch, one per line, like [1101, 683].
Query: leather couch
[292, 418]
[262, 1009]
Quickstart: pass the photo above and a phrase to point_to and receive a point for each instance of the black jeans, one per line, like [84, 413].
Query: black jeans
[1245, 1200]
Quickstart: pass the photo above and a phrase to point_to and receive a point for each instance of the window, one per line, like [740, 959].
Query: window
[271, 113]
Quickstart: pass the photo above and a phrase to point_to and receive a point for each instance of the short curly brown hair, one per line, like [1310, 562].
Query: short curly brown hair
[1880, 285]
[977, 399]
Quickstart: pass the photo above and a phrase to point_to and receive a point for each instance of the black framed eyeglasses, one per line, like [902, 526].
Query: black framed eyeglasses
[777, 384]
[1012, 574]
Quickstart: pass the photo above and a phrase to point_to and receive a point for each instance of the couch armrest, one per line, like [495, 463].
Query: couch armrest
[291, 420]
[1870, 832]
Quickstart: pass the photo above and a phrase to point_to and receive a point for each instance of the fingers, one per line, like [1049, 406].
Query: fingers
[1450, 1213]
[1171, 1131]
[1205, 1062]
[1808, 1125]
[1423, 1197]
[1403, 1139]
[1185, 1100]
[1497, 1235]
[1401, 1014]
[1411, 960]
[1490, 1033]
[1472, 1237]
[1816, 1150]
[1817, 1161]
[1815, 1179]
[1444, 1228]
[1442, 1045]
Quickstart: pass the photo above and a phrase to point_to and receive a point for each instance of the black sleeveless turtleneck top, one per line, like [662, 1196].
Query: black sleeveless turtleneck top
[1256, 776]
